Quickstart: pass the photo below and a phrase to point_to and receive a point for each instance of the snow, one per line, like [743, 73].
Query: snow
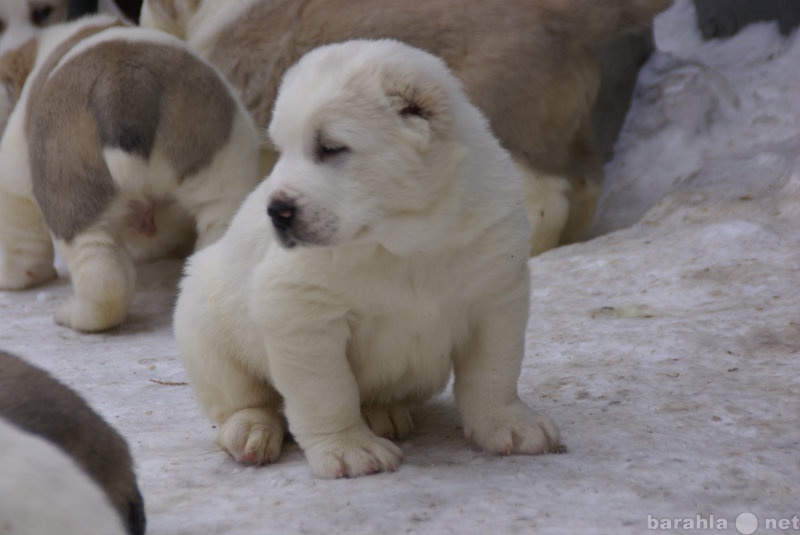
[665, 348]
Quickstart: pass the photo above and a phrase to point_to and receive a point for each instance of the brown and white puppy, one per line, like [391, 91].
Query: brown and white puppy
[20, 22]
[527, 64]
[111, 121]
[173, 231]
[35, 402]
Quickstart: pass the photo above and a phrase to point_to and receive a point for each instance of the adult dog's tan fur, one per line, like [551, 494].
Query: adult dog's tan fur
[526, 64]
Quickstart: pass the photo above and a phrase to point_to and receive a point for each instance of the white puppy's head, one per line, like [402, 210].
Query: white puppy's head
[22, 19]
[367, 147]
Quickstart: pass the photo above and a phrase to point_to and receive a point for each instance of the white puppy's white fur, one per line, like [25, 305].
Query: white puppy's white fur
[406, 260]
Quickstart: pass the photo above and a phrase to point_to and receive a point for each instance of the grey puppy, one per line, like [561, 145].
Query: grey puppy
[36, 402]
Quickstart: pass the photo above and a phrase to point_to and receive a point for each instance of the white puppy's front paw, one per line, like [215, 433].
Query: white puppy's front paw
[253, 436]
[388, 421]
[351, 453]
[514, 428]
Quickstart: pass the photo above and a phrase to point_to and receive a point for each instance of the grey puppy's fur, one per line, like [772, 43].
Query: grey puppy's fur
[36, 402]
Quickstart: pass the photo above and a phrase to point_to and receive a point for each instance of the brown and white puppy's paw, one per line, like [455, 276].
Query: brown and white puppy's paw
[387, 249]
[103, 278]
[104, 141]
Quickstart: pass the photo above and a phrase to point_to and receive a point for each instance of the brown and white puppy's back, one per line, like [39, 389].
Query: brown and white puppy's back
[527, 65]
[35, 402]
[111, 122]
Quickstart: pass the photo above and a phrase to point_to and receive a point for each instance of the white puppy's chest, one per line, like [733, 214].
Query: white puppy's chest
[403, 352]
[404, 332]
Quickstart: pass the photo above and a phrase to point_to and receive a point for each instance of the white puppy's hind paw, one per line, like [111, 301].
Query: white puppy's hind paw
[352, 453]
[253, 436]
[388, 421]
[515, 429]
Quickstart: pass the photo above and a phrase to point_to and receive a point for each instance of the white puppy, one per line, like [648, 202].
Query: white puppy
[111, 122]
[396, 252]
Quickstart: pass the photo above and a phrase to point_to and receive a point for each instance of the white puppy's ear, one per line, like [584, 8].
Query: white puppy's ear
[422, 107]
[171, 16]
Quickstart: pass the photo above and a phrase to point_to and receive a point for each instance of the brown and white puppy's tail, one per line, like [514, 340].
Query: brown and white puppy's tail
[33, 401]
[593, 21]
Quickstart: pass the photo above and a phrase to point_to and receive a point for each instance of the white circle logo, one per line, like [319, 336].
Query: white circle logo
[746, 523]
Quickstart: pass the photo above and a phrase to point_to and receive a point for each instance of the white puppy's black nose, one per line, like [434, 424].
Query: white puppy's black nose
[282, 214]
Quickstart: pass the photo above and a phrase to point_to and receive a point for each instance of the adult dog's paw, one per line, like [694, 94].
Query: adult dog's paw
[514, 429]
[253, 436]
[351, 453]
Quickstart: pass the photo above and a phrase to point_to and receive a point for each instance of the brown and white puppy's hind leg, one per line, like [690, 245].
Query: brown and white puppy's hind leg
[103, 281]
[26, 250]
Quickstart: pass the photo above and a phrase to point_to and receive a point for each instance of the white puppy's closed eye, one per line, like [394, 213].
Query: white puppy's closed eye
[326, 150]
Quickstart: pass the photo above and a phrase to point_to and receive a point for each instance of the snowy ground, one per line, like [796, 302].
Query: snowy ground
[666, 350]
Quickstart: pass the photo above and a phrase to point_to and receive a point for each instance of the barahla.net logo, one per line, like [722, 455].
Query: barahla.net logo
[745, 523]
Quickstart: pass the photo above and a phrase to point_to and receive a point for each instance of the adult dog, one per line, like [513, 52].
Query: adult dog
[112, 121]
[527, 64]
[396, 252]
